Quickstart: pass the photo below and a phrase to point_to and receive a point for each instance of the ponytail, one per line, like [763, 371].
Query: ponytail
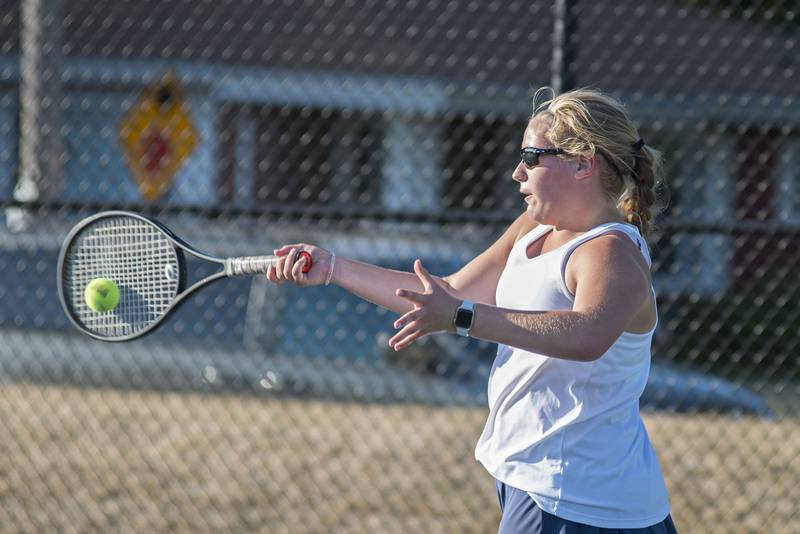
[639, 195]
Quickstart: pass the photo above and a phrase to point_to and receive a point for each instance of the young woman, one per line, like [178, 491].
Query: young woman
[566, 294]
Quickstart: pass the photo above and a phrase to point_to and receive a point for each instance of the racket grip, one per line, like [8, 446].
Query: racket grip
[249, 265]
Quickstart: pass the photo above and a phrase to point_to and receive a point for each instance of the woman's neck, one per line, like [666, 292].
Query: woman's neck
[586, 223]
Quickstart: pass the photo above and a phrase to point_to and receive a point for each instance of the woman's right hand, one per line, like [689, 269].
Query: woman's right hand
[289, 270]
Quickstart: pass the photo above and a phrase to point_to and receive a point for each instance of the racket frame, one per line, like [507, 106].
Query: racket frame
[182, 291]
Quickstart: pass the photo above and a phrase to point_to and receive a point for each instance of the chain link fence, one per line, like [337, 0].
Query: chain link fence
[386, 131]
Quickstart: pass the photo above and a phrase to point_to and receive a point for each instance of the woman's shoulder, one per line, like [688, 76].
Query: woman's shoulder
[612, 249]
[621, 240]
[615, 241]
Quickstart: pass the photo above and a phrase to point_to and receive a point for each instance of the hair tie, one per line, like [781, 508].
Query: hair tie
[637, 146]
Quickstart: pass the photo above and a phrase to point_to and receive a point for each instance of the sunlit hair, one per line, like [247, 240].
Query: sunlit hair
[589, 122]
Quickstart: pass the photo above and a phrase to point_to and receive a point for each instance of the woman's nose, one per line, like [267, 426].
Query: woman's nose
[519, 173]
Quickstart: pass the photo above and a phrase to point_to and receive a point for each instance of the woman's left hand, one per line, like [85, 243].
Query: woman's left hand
[433, 311]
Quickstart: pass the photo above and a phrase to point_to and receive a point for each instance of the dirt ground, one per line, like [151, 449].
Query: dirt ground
[93, 460]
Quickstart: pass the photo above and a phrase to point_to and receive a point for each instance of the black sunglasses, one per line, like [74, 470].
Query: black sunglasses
[530, 155]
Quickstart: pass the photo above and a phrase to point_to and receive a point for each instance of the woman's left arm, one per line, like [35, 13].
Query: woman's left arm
[611, 287]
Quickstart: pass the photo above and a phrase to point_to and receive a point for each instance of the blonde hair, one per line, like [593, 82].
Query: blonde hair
[589, 122]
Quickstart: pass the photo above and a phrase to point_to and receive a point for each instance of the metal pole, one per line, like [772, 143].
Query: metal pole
[563, 24]
[41, 146]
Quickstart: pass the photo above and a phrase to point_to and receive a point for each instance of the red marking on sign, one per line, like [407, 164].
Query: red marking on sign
[155, 152]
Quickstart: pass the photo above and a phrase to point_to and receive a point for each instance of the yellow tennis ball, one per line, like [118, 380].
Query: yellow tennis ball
[101, 295]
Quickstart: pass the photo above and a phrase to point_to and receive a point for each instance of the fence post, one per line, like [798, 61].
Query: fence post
[41, 145]
[563, 26]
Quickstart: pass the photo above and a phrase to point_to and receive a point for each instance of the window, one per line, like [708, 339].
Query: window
[480, 154]
[273, 154]
[788, 180]
[699, 171]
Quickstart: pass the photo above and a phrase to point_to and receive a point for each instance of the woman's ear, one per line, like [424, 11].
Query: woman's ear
[586, 167]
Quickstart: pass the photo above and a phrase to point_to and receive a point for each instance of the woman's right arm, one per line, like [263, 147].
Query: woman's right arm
[370, 282]
[375, 284]
[476, 281]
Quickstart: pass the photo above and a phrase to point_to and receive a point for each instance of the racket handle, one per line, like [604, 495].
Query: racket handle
[249, 265]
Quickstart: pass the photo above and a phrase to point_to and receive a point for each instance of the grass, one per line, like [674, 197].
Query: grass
[94, 460]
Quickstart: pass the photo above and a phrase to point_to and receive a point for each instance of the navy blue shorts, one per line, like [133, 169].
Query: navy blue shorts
[521, 515]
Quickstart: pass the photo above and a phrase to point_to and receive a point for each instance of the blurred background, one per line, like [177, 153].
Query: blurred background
[386, 131]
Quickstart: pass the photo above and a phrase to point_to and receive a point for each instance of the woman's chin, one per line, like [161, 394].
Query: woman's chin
[536, 215]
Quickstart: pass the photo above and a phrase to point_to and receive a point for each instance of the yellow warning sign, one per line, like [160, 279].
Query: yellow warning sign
[157, 136]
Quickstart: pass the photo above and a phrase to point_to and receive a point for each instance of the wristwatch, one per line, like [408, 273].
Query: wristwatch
[464, 318]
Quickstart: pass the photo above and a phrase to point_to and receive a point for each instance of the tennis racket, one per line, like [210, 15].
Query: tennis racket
[147, 263]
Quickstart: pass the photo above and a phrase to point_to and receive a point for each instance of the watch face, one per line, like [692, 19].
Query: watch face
[463, 318]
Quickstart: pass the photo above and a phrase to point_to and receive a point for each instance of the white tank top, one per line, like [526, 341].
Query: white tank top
[569, 433]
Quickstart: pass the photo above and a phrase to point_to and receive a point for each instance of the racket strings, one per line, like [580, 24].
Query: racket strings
[139, 258]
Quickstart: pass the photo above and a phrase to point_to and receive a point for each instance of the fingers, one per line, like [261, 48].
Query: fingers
[411, 296]
[301, 264]
[285, 268]
[423, 275]
[297, 268]
[406, 318]
[288, 263]
[285, 249]
[406, 336]
[410, 322]
[272, 275]
[412, 329]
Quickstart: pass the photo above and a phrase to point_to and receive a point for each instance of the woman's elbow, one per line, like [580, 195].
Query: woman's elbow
[593, 348]
[578, 352]
[594, 339]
